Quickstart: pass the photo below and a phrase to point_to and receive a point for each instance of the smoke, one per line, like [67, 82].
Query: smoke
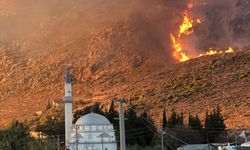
[52, 24]
[224, 23]
[49, 25]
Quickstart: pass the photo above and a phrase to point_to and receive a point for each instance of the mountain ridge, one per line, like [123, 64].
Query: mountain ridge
[121, 52]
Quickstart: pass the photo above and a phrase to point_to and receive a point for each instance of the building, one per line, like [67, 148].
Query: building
[247, 144]
[198, 147]
[93, 132]
[90, 132]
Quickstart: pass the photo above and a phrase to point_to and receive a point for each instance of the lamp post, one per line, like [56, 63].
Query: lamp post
[76, 128]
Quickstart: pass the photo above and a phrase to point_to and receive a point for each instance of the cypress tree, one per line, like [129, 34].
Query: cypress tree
[180, 119]
[111, 114]
[48, 106]
[173, 119]
[194, 122]
[214, 124]
[164, 120]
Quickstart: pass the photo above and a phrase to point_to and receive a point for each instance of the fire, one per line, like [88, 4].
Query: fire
[230, 50]
[186, 28]
[198, 21]
[179, 54]
[187, 25]
[213, 52]
[190, 5]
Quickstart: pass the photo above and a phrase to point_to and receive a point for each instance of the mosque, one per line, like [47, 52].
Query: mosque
[90, 132]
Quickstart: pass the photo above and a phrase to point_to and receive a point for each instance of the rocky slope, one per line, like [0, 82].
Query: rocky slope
[122, 52]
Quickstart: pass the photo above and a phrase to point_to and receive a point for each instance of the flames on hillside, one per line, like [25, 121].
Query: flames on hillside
[185, 29]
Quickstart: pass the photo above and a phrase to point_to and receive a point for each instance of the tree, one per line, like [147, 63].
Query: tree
[139, 129]
[175, 119]
[111, 114]
[16, 137]
[150, 129]
[180, 118]
[164, 120]
[214, 125]
[194, 122]
[48, 106]
[51, 122]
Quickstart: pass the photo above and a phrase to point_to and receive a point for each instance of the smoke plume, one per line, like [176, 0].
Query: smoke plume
[225, 23]
[43, 25]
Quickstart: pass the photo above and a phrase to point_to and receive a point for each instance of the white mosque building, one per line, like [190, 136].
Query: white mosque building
[90, 132]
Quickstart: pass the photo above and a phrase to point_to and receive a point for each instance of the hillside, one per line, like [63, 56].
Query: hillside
[191, 87]
[122, 52]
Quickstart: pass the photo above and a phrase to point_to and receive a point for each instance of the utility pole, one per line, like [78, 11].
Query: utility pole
[162, 140]
[122, 125]
[58, 142]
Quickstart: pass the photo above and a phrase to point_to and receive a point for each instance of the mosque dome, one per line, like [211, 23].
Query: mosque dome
[92, 119]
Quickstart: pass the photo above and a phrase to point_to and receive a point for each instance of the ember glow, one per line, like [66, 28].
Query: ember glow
[185, 29]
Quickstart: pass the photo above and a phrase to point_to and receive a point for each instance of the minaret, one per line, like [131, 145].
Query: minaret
[68, 108]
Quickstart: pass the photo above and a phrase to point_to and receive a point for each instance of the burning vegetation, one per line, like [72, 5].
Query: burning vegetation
[186, 28]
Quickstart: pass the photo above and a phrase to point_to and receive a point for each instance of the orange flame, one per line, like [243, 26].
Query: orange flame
[213, 52]
[187, 25]
[186, 28]
[230, 50]
[179, 54]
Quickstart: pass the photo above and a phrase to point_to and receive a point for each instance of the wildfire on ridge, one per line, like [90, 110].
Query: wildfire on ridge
[186, 28]
[213, 52]
[178, 54]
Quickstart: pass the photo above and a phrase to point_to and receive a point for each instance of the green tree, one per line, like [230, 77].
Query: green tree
[194, 122]
[16, 137]
[51, 122]
[180, 118]
[111, 114]
[214, 125]
[172, 121]
[139, 129]
[175, 119]
[164, 120]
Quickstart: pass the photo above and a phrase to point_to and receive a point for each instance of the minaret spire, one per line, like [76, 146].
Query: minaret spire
[68, 100]
[68, 79]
